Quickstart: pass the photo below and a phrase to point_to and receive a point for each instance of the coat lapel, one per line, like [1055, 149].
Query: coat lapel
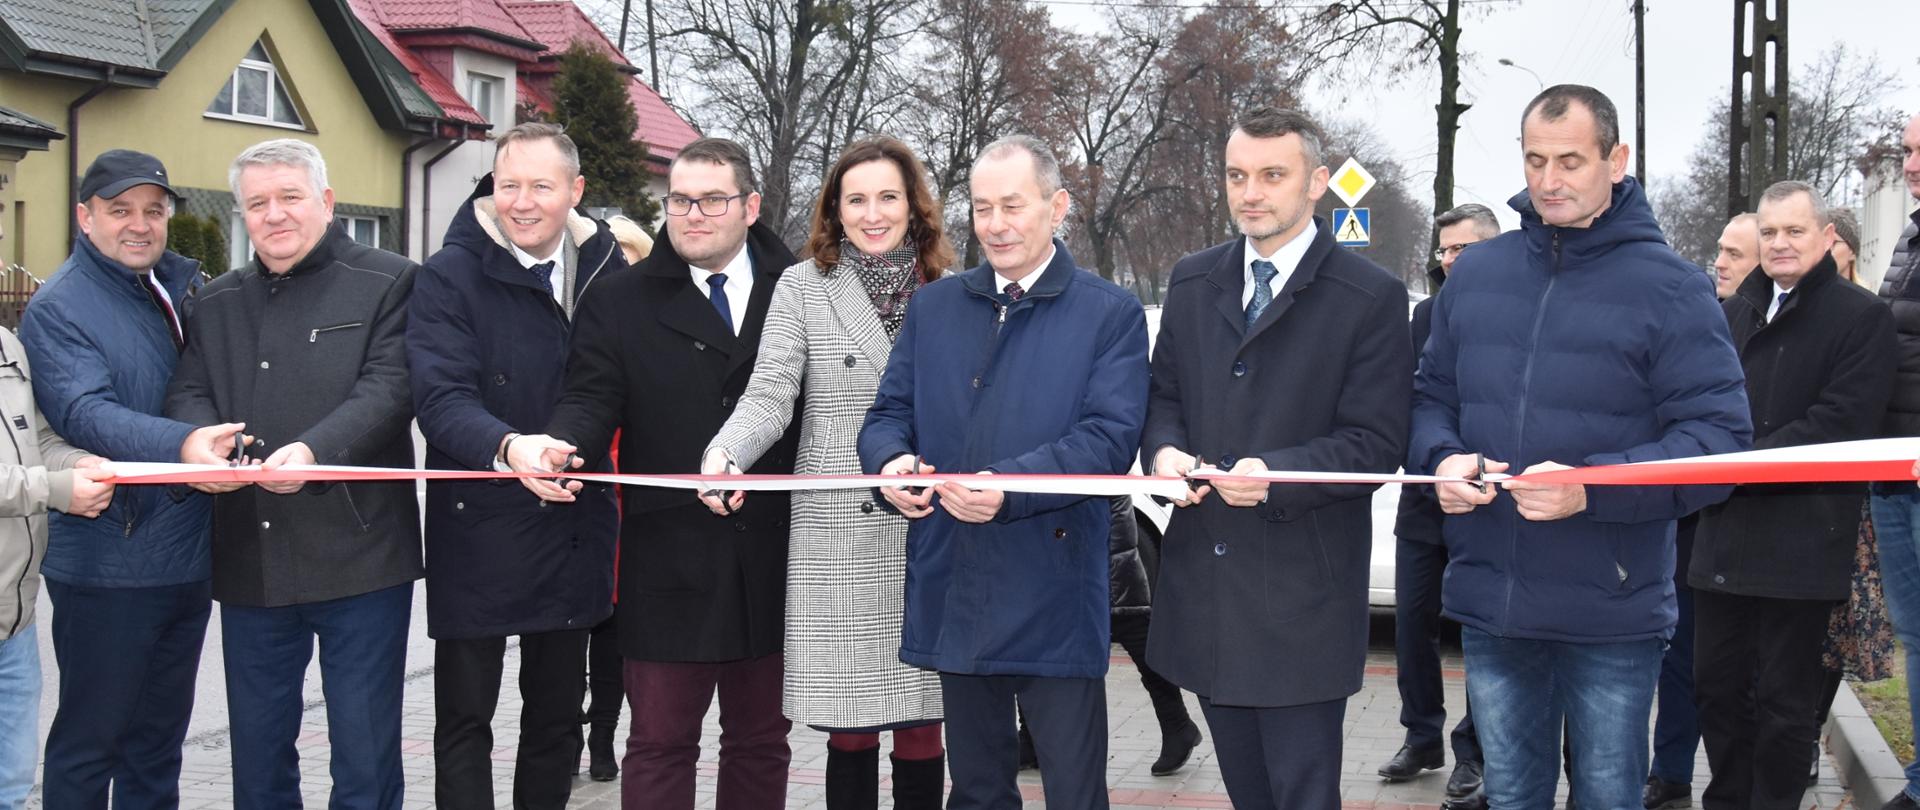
[854, 310]
[758, 301]
[1227, 278]
[690, 313]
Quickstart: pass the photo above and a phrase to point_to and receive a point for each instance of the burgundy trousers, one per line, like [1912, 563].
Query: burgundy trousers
[670, 700]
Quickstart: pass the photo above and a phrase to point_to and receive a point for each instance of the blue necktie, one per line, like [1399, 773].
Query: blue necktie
[718, 283]
[543, 276]
[1778, 304]
[1263, 273]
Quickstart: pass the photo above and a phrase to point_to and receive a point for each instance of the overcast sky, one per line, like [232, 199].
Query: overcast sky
[1689, 63]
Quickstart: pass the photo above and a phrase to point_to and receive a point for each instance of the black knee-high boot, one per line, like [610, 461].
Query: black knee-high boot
[853, 779]
[919, 784]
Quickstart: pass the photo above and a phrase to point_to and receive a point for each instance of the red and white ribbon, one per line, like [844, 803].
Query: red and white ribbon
[1870, 460]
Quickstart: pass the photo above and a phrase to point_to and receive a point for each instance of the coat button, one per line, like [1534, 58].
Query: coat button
[1059, 534]
[866, 507]
[739, 527]
[726, 402]
[1219, 549]
[849, 361]
[699, 347]
[543, 504]
[976, 383]
[1227, 461]
[499, 379]
[459, 504]
[1239, 369]
[1719, 580]
[266, 524]
[265, 364]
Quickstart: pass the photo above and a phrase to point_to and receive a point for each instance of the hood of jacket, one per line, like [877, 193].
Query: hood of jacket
[1628, 219]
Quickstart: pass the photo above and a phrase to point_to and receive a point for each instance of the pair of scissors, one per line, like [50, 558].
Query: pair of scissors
[1481, 461]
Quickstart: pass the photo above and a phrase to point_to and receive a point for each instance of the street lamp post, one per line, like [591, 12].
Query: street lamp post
[1536, 77]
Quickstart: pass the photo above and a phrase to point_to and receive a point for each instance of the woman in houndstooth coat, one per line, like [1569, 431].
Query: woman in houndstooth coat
[876, 238]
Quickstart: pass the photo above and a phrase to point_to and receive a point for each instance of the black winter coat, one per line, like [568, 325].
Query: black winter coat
[316, 355]
[1901, 290]
[1820, 371]
[487, 349]
[651, 357]
[1267, 606]
[1420, 514]
[1126, 571]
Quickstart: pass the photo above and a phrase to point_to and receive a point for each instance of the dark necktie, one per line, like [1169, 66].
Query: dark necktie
[1014, 292]
[718, 283]
[543, 276]
[1263, 273]
[1780, 303]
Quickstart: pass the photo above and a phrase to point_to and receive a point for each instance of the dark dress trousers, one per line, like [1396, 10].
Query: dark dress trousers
[702, 596]
[1263, 610]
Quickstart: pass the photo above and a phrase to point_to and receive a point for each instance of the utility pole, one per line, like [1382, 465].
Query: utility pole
[626, 10]
[1757, 129]
[1640, 90]
[653, 56]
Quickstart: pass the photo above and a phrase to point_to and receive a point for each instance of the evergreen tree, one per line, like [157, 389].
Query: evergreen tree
[197, 237]
[590, 100]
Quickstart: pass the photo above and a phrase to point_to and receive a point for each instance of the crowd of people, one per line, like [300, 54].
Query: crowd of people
[972, 627]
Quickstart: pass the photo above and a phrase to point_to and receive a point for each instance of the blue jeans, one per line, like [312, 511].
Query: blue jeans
[128, 659]
[1896, 526]
[19, 715]
[363, 649]
[1522, 688]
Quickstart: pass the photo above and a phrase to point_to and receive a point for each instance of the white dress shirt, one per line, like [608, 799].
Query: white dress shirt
[1027, 281]
[153, 281]
[739, 285]
[1773, 307]
[557, 277]
[1286, 260]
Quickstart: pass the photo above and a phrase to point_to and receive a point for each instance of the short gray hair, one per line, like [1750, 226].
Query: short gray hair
[1485, 224]
[281, 152]
[1269, 122]
[1786, 189]
[540, 130]
[1046, 168]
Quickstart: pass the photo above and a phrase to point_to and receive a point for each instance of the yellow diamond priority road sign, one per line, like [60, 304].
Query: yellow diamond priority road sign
[1351, 182]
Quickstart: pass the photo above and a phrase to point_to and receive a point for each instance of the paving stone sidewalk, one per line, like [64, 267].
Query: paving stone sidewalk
[1373, 734]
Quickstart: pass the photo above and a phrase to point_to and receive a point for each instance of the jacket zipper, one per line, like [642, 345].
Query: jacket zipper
[1526, 390]
[314, 336]
[20, 585]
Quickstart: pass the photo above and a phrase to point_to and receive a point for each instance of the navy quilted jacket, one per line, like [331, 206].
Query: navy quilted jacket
[1583, 346]
[102, 354]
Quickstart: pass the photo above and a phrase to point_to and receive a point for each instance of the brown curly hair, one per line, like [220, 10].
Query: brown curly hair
[924, 228]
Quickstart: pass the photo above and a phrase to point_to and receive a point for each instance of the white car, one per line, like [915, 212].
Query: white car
[1153, 515]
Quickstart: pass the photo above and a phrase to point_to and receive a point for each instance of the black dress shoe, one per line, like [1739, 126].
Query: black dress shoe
[1410, 761]
[1465, 779]
[1664, 795]
[1477, 800]
[1176, 746]
[601, 764]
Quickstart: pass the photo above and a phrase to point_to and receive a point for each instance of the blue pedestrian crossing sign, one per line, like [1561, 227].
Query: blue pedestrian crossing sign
[1351, 227]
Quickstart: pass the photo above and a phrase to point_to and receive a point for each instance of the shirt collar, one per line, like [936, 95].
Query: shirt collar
[528, 260]
[1286, 258]
[1027, 281]
[740, 267]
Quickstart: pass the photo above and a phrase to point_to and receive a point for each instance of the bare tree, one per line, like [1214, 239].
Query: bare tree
[1836, 114]
[1406, 34]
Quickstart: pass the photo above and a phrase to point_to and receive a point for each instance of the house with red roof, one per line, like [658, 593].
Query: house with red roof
[482, 61]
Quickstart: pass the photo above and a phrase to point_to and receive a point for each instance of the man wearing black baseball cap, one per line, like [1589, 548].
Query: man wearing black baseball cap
[131, 590]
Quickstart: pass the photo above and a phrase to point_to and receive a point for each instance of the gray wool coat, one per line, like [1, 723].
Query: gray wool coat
[824, 346]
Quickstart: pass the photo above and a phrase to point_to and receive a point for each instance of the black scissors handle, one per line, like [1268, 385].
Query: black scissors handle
[1481, 460]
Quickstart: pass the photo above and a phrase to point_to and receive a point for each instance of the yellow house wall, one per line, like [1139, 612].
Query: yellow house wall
[363, 160]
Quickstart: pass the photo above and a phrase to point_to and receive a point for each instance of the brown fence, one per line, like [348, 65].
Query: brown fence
[16, 286]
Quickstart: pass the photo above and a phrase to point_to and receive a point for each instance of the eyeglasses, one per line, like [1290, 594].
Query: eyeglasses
[1440, 254]
[680, 206]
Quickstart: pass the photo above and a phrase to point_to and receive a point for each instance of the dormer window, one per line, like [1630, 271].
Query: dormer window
[257, 93]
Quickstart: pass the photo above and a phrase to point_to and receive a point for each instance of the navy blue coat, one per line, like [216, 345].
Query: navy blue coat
[102, 353]
[487, 349]
[1583, 346]
[1267, 605]
[1061, 387]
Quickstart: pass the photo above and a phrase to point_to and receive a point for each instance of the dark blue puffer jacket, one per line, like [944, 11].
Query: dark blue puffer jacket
[102, 354]
[1583, 346]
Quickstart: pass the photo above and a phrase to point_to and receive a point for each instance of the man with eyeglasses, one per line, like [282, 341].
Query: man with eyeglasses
[662, 354]
[1420, 561]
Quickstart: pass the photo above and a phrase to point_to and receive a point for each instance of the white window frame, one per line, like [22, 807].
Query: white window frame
[276, 90]
[239, 245]
[348, 222]
[491, 87]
